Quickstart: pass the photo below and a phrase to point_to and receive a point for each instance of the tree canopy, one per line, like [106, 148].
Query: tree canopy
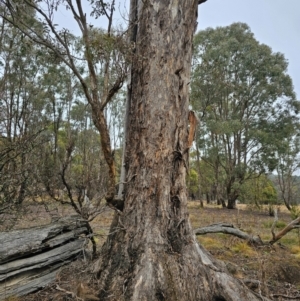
[245, 101]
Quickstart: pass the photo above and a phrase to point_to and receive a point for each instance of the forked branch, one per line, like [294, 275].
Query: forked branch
[292, 225]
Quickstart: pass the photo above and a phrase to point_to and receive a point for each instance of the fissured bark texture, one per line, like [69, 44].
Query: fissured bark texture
[151, 253]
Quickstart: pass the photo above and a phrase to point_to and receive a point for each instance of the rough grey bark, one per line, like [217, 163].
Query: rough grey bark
[30, 259]
[152, 253]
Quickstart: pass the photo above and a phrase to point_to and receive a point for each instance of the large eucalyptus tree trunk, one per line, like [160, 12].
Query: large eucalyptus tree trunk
[151, 253]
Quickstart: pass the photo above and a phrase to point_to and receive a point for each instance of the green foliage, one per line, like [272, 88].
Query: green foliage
[246, 103]
[22, 118]
[288, 163]
[206, 178]
[291, 239]
[258, 191]
[193, 179]
[46, 125]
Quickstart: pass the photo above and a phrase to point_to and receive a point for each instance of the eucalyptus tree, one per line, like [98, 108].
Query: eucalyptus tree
[151, 252]
[104, 51]
[245, 98]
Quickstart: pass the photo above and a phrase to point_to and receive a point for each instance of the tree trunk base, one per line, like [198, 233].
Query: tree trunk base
[157, 273]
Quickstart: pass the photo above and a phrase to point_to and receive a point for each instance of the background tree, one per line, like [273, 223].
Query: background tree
[49, 143]
[104, 51]
[246, 100]
[288, 164]
[259, 191]
[21, 118]
[204, 172]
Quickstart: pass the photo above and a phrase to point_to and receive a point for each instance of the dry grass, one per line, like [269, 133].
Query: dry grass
[276, 267]
[295, 250]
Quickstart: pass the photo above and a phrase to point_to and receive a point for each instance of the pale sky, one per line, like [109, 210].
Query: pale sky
[275, 23]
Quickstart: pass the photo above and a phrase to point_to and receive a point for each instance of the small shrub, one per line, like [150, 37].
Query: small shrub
[296, 251]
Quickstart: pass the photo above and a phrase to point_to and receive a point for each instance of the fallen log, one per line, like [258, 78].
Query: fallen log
[229, 229]
[252, 239]
[30, 258]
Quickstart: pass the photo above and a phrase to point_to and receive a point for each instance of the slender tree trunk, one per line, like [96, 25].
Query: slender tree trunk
[231, 195]
[207, 198]
[101, 125]
[152, 253]
[132, 41]
[199, 171]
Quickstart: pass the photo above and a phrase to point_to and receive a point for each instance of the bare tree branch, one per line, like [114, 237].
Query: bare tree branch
[292, 225]
[229, 229]
[255, 240]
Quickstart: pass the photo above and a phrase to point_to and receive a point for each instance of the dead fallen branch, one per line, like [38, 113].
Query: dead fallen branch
[229, 229]
[255, 240]
[30, 258]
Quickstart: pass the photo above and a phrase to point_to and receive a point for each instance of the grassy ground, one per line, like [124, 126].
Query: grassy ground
[276, 268]
[272, 270]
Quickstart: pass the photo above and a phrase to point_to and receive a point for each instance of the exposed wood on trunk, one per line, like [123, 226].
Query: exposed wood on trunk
[30, 258]
[193, 124]
[286, 296]
[152, 253]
